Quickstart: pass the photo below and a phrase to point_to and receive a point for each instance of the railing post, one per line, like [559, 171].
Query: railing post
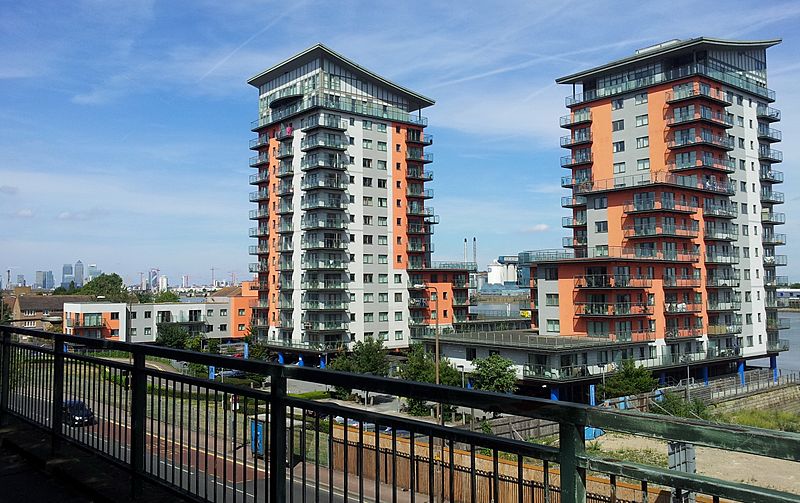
[5, 374]
[277, 436]
[573, 478]
[138, 413]
[58, 390]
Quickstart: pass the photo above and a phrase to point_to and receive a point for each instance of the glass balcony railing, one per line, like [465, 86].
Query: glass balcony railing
[770, 155]
[309, 162]
[773, 239]
[419, 173]
[258, 249]
[652, 205]
[576, 160]
[259, 142]
[682, 141]
[721, 211]
[257, 232]
[771, 217]
[603, 281]
[778, 324]
[319, 326]
[571, 242]
[721, 234]
[315, 141]
[637, 231]
[776, 281]
[724, 165]
[601, 309]
[722, 258]
[412, 155]
[328, 284]
[771, 196]
[575, 118]
[780, 345]
[766, 133]
[680, 282]
[327, 305]
[328, 244]
[715, 118]
[322, 203]
[259, 195]
[723, 329]
[731, 281]
[310, 183]
[324, 264]
[732, 305]
[576, 139]
[767, 113]
[573, 222]
[311, 223]
[419, 137]
[770, 175]
[714, 186]
[775, 260]
[259, 214]
[419, 193]
[571, 202]
[259, 267]
[284, 189]
[681, 333]
[262, 158]
[324, 121]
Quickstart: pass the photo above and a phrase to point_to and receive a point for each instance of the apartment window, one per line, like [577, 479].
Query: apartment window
[553, 326]
[472, 353]
[741, 142]
[367, 182]
[381, 183]
[619, 167]
[398, 316]
[397, 147]
[617, 104]
[642, 120]
[148, 314]
[367, 258]
[747, 274]
[367, 144]
[618, 146]
[601, 226]
[398, 297]
[744, 208]
[383, 202]
[601, 203]
[382, 146]
[366, 124]
[240, 327]
[383, 278]
[133, 315]
[369, 298]
[643, 142]
[147, 331]
[383, 335]
[740, 121]
[369, 318]
[223, 328]
[398, 335]
[742, 164]
[367, 163]
[352, 121]
[382, 221]
[114, 316]
[381, 128]
[551, 299]
[383, 316]
[643, 164]
[745, 230]
[640, 99]
[383, 240]
[368, 278]
[367, 239]
[223, 312]
[383, 259]
[367, 220]
[383, 297]
[746, 252]
[367, 201]
[739, 99]
[352, 199]
[551, 273]
[241, 312]
[132, 331]
[382, 165]
[618, 125]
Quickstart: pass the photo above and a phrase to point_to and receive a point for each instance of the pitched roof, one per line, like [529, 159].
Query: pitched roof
[228, 291]
[49, 302]
[415, 100]
[671, 46]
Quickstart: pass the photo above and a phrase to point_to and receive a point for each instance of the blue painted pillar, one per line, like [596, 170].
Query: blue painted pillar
[662, 378]
[212, 372]
[280, 358]
[740, 369]
[704, 371]
[773, 365]
[323, 361]
[554, 392]
[246, 352]
[592, 394]
[300, 361]
[469, 383]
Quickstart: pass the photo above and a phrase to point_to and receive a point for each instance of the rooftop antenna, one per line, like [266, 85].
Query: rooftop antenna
[465, 250]
[475, 250]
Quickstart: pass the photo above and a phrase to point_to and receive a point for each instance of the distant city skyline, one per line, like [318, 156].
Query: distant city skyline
[135, 154]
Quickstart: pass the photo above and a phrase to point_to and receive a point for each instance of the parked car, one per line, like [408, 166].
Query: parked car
[231, 373]
[77, 413]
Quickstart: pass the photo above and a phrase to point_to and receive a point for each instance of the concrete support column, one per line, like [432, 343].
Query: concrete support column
[740, 370]
[773, 365]
[704, 372]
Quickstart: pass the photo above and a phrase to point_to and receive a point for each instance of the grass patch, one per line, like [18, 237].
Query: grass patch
[770, 419]
[641, 456]
[311, 395]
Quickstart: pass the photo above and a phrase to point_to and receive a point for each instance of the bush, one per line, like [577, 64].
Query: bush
[675, 405]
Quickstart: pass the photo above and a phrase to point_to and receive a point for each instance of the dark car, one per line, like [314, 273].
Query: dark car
[77, 413]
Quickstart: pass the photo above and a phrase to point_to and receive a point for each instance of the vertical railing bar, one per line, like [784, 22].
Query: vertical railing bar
[225, 401]
[345, 471]
[412, 466]
[473, 482]
[360, 461]
[316, 456]
[394, 465]
[58, 389]
[377, 445]
[303, 453]
[495, 474]
[277, 461]
[546, 480]
[138, 380]
[451, 469]
[233, 404]
[291, 454]
[431, 468]
[197, 440]
[5, 375]
[572, 447]
[330, 459]
[613, 482]
[216, 434]
[180, 436]
[205, 448]
[645, 496]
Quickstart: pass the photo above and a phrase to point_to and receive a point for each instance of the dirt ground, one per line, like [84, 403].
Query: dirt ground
[726, 465]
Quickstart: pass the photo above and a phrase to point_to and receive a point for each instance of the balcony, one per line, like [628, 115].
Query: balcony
[324, 162]
[573, 242]
[682, 307]
[418, 210]
[770, 175]
[770, 155]
[657, 205]
[771, 217]
[573, 202]
[716, 306]
[258, 160]
[414, 247]
[619, 309]
[419, 229]
[259, 195]
[768, 134]
[573, 222]
[419, 138]
[732, 281]
[325, 326]
[86, 322]
[334, 204]
[722, 187]
[323, 244]
[771, 196]
[419, 173]
[698, 91]
[286, 265]
[775, 260]
[259, 178]
[259, 214]
[717, 164]
[258, 267]
[261, 249]
[417, 303]
[606, 281]
[308, 223]
[324, 121]
[328, 284]
[573, 140]
[286, 226]
[575, 119]
[722, 258]
[723, 330]
[328, 305]
[721, 234]
[778, 346]
[322, 141]
[682, 333]
[419, 193]
[284, 189]
[261, 141]
[285, 208]
[571, 181]
[773, 239]
[648, 231]
[717, 119]
[573, 160]
[721, 211]
[767, 113]
[259, 232]
[284, 169]
[285, 246]
[284, 151]
[776, 281]
[708, 140]
[418, 156]
[324, 264]
[680, 282]
[778, 324]
[335, 183]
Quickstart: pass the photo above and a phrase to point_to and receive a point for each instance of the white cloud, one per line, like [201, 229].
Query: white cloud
[24, 213]
[537, 228]
[8, 190]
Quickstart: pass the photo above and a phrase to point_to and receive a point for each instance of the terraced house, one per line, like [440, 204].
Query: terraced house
[672, 255]
[344, 225]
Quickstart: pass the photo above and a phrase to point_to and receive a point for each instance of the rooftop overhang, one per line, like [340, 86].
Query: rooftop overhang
[416, 101]
[666, 49]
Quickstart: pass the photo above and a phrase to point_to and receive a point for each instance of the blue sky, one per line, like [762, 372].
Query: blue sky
[124, 125]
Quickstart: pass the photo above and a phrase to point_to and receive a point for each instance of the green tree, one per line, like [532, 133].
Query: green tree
[172, 335]
[69, 290]
[109, 286]
[369, 357]
[675, 405]
[628, 380]
[495, 373]
[421, 367]
[213, 346]
[144, 297]
[194, 343]
[343, 363]
[167, 296]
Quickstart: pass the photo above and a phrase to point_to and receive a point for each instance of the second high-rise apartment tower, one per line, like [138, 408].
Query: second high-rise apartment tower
[344, 231]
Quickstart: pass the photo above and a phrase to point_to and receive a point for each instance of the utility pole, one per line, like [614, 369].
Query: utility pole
[212, 276]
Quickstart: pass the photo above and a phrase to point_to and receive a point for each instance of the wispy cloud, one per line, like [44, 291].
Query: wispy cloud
[537, 228]
[8, 190]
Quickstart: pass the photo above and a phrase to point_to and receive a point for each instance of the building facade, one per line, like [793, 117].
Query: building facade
[343, 235]
[78, 274]
[66, 275]
[673, 246]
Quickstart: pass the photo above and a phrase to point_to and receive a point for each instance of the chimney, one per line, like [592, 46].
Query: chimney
[475, 250]
[465, 249]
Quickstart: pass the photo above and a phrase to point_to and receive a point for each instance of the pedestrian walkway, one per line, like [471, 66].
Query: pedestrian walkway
[22, 481]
